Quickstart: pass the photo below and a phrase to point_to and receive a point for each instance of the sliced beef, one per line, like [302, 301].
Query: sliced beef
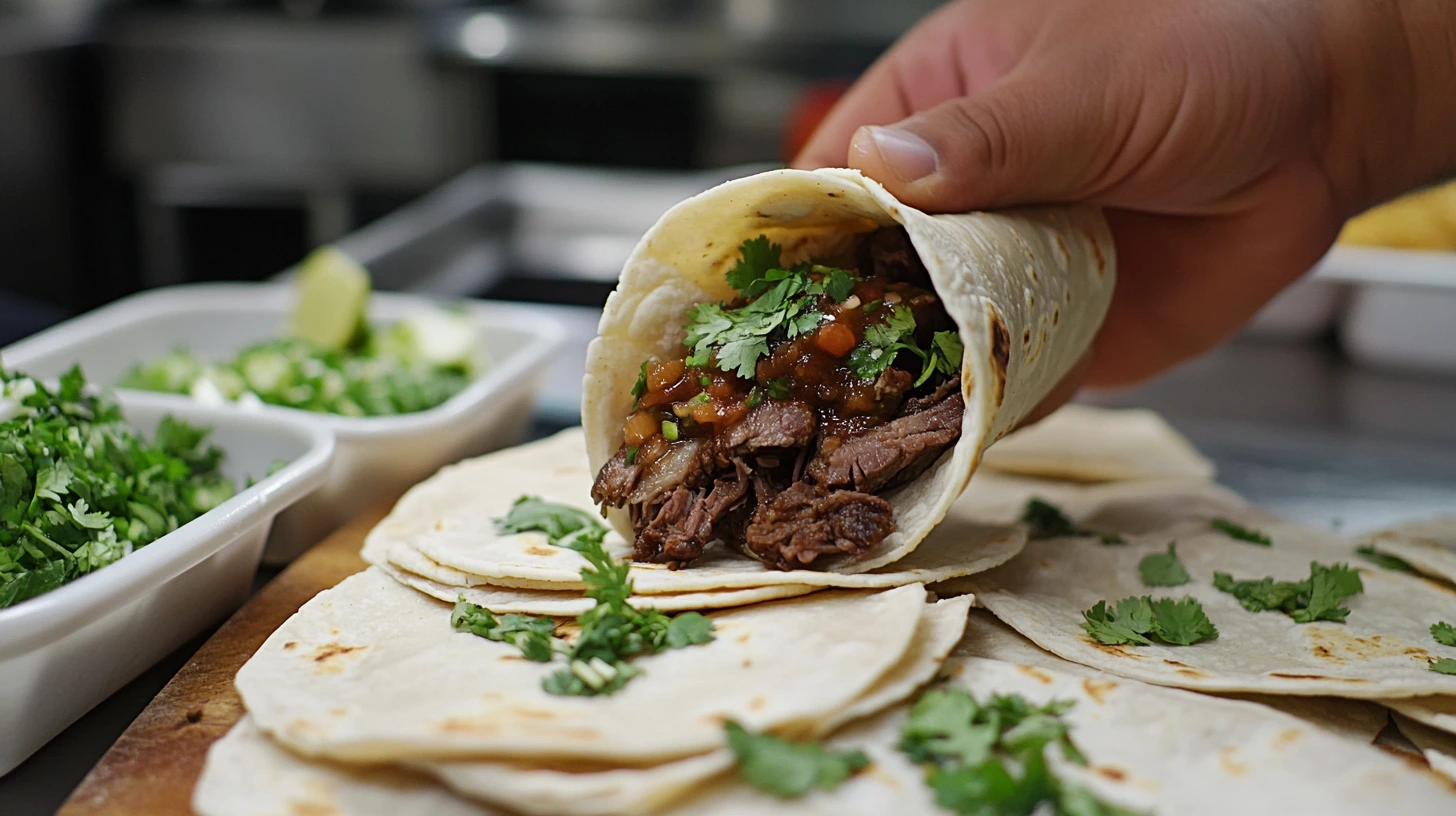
[773, 424]
[800, 524]
[915, 405]
[891, 387]
[615, 480]
[891, 454]
[891, 254]
[675, 529]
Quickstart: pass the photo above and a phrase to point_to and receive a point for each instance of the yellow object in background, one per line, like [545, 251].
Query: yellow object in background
[1421, 220]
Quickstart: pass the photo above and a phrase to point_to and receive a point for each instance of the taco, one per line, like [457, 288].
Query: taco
[805, 369]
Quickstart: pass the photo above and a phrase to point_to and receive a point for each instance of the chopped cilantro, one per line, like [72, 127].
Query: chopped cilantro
[1444, 633]
[755, 397]
[1163, 569]
[757, 257]
[945, 356]
[1443, 665]
[779, 388]
[532, 635]
[705, 381]
[837, 284]
[1240, 532]
[873, 306]
[1319, 597]
[81, 489]
[632, 455]
[1048, 521]
[787, 769]
[990, 758]
[739, 337]
[1136, 621]
[1382, 560]
[612, 631]
[640, 387]
[883, 342]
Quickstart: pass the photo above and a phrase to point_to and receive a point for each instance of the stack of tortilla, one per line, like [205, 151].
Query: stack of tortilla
[368, 702]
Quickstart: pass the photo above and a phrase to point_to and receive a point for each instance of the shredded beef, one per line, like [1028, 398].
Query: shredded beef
[891, 454]
[800, 524]
[773, 424]
[615, 480]
[677, 527]
[915, 405]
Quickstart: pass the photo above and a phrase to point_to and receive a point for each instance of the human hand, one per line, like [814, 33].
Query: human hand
[1229, 139]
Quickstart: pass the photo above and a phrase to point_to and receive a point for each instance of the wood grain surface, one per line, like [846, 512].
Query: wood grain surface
[151, 769]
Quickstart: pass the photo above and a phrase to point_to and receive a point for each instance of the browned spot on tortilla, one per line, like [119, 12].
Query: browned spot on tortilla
[886, 779]
[756, 703]
[1176, 663]
[1062, 248]
[439, 525]
[194, 716]
[1336, 645]
[290, 646]
[1115, 774]
[709, 245]
[1194, 673]
[743, 638]
[325, 655]
[528, 713]
[1025, 336]
[1046, 564]
[338, 712]
[544, 552]
[311, 809]
[469, 725]
[1000, 351]
[1096, 253]
[1035, 674]
[1097, 689]
[832, 195]
[1315, 677]
[1286, 738]
[1114, 650]
[511, 657]
[1056, 315]
[715, 719]
[1228, 763]
[747, 662]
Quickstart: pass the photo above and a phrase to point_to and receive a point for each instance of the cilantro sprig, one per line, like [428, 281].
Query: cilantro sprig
[1320, 597]
[1048, 521]
[788, 769]
[883, 343]
[1382, 560]
[990, 758]
[1444, 634]
[1163, 569]
[1139, 621]
[612, 631]
[81, 489]
[1241, 533]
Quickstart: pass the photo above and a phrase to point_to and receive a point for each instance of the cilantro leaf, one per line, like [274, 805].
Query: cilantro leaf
[1444, 633]
[1383, 560]
[1128, 623]
[838, 284]
[1182, 622]
[1163, 569]
[945, 356]
[1048, 521]
[780, 388]
[1240, 532]
[532, 635]
[757, 257]
[1137, 620]
[787, 769]
[1443, 665]
[1318, 597]
[739, 337]
[689, 629]
[531, 514]
[943, 727]
[882, 342]
[640, 387]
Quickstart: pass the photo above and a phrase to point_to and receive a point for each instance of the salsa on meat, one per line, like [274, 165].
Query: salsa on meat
[791, 409]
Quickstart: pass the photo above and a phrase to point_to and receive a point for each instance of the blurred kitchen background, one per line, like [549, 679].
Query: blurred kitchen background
[517, 149]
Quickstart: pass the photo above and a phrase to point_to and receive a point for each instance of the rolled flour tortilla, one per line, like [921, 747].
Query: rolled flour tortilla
[1027, 290]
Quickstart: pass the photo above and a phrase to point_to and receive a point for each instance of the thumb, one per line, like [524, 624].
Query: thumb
[1018, 142]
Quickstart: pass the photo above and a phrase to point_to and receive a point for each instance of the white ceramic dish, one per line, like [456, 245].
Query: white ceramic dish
[1402, 314]
[67, 650]
[376, 458]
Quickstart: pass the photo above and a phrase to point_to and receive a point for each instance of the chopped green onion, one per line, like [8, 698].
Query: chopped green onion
[632, 455]
[669, 430]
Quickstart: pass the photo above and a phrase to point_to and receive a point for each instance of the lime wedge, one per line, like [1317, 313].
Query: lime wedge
[333, 291]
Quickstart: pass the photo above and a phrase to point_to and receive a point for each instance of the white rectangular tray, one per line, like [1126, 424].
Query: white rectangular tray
[63, 652]
[377, 457]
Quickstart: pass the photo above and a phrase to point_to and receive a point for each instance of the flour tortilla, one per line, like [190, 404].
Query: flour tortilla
[506, 600]
[1381, 651]
[248, 775]
[449, 519]
[1436, 711]
[1438, 747]
[1027, 289]
[987, 637]
[1082, 443]
[1428, 545]
[1155, 750]
[371, 671]
[539, 791]
[1152, 750]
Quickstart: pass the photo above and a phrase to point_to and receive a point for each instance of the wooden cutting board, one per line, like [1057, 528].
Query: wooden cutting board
[151, 769]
